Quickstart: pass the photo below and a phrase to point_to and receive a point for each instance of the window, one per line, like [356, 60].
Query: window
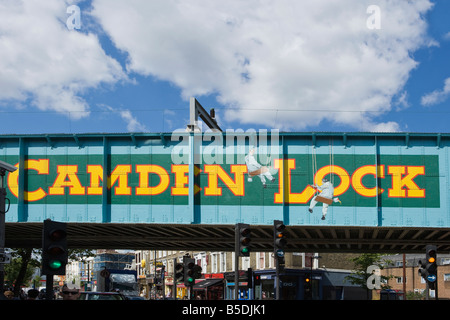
[447, 277]
[400, 280]
[261, 260]
[200, 259]
[223, 262]
[217, 262]
[245, 263]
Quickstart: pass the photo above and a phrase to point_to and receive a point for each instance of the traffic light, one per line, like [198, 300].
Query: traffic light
[428, 267]
[242, 237]
[189, 264]
[191, 271]
[279, 241]
[307, 288]
[179, 272]
[197, 272]
[257, 280]
[249, 278]
[54, 248]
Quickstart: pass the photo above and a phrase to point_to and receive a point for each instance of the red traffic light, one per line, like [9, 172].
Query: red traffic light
[57, 235]
[245, 236]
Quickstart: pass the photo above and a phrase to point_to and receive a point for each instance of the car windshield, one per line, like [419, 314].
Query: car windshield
[99, 296]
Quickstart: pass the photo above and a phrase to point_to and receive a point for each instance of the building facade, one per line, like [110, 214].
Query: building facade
[409, 280]
[155, 271]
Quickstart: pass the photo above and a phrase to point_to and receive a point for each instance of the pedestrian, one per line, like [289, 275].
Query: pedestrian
[32, 294]
[9, 295]
[70, 292]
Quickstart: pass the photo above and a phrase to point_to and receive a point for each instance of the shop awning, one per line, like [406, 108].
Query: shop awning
[207, 283]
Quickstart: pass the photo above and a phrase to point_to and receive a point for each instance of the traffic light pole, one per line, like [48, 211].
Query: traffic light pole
[236, 263]
[2, 236]
[49, 287]
[174, 287]
[436, 291]
[277, 277]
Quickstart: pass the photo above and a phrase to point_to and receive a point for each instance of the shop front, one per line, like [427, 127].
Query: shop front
[209, 289]
[295, 284]
[244, 292]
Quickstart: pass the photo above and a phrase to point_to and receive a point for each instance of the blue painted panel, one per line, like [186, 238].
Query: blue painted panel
[149, 179]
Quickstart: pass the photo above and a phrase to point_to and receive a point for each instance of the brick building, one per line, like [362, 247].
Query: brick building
[414, 282]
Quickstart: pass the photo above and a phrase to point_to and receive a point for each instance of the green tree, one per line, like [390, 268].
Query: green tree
[20, 270]
[25, 260]
[362, 273]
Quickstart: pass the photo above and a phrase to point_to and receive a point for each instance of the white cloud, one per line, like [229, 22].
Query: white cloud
[437, 96]
[133, 124]
[44, 63]
[288, 64]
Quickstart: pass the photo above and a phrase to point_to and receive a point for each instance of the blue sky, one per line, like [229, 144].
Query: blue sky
[131, 66]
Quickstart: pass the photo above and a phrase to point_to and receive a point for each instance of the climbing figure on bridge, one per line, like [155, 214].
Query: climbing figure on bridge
[256, 169]
[326, 196]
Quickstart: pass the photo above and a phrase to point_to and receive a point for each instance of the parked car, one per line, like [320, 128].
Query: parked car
[134, 298]
[89, 295]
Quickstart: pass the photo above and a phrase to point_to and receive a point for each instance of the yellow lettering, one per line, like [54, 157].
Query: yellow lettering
[360, 173]
[67, 177]
[41, 166]
[340, 172]
[181, 172]
[399, 183]
[215, 172]
[284, 183]
[96, 173]
[120, 173]
[144, 170]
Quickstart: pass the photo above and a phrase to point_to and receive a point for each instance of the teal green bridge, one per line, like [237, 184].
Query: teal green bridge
[391, 191]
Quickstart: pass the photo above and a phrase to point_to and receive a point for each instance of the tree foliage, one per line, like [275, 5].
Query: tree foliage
[361, 274]
[25, 260]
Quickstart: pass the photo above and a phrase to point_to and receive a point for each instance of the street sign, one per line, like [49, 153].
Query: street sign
[280, 253]
[431, 278]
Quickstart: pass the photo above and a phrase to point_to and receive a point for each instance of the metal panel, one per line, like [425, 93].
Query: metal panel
[194, 178]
